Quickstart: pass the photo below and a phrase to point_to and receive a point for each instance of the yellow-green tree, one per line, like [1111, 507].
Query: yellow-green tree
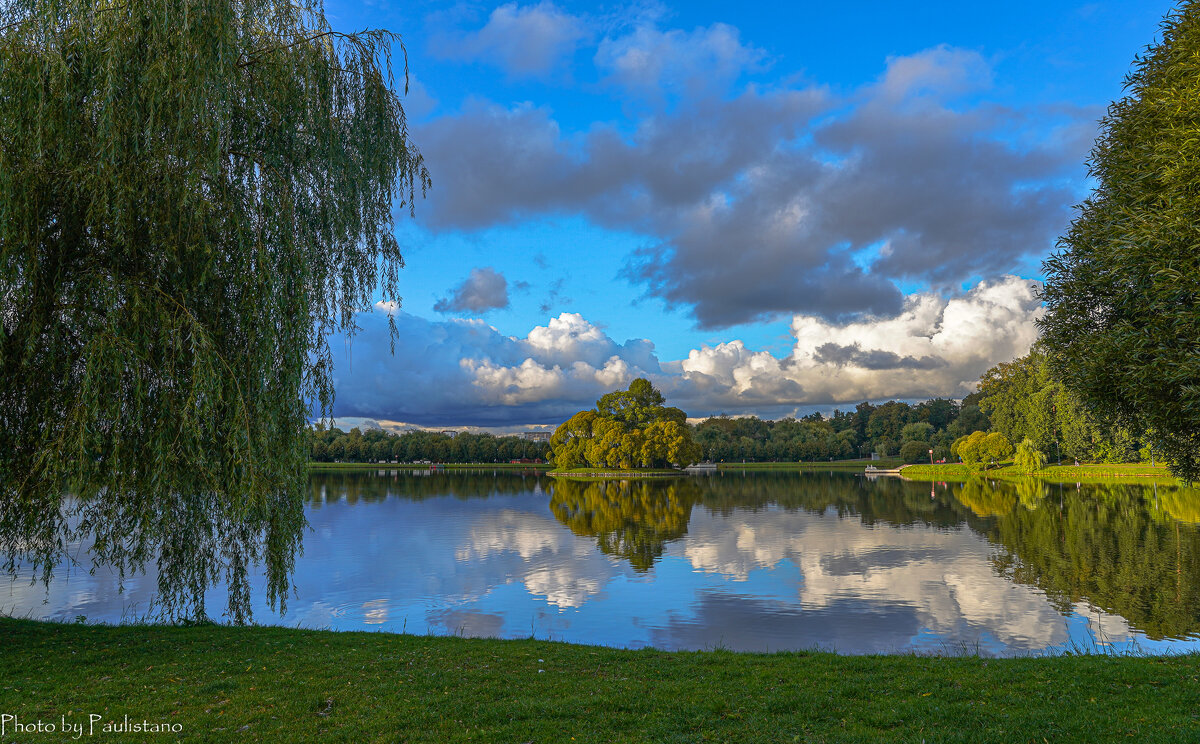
[1029, 459]
[969, 449]
[569, 443]
[627, 429]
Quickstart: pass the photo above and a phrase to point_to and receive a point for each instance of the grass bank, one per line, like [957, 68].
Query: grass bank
[588, 473]
[1091, 473]
[824, 465]
[272, 684]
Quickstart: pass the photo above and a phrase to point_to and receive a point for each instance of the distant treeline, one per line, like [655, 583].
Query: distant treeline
[1020, 400]
[376, 445]
[885, 429]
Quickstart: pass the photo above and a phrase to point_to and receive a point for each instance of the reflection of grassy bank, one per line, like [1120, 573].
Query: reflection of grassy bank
[588, 473]
[1101, 473]
[274, 684]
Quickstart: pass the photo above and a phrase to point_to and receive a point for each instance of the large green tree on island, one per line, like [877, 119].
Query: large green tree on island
[1123, 292]
[627, 429]
[193, 194]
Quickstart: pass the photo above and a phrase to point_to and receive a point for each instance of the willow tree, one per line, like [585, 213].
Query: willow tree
[193, 195]
[1123, 292]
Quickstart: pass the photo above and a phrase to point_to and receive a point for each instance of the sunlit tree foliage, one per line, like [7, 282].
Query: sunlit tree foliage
[627, 429]
[1123, 291]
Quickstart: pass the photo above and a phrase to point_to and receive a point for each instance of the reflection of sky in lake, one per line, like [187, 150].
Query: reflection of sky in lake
[763, 578]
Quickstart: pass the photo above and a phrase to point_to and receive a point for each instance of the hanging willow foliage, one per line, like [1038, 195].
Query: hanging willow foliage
[1123, 292]
[193, 195]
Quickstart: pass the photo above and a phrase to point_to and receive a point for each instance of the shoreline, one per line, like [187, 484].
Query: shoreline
[586, 474]
[1085, 473]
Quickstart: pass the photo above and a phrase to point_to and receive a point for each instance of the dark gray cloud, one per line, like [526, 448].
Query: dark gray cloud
[502, 165]
[554, 298]
[874, 359]
[484, 289]
[745, 623]
[786, 201]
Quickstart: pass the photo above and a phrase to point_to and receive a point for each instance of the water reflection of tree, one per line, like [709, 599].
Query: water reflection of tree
[630, 519]
[1108, 545]
[1132, 550]
[353, 486]
[887, 500]
[987, 498]
[1178, 504]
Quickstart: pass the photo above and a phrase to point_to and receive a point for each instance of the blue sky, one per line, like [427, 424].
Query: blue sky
[766, 210]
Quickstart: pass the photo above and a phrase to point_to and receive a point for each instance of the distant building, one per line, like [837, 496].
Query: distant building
[537, 436]
[451, 433]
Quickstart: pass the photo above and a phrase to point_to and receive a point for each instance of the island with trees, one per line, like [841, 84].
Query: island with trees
[628, 432]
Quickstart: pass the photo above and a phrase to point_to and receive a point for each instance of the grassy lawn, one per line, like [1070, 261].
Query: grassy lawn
[1140, 472]
[273, 684]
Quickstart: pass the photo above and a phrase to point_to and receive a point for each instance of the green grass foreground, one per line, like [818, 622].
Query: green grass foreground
[1090, 473]
[274, 684]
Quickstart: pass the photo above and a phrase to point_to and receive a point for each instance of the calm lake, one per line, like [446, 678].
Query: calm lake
[744, 561]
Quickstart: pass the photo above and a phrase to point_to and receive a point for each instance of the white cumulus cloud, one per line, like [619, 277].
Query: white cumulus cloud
[465, 372]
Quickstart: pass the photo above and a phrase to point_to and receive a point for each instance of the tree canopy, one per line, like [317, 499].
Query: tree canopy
[193, 194]
[1123, 291]
[627, 429]
[1024, 400]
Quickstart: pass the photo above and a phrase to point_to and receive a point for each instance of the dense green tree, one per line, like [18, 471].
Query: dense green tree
[640, 404]
[920, 431]
[375, 445]
[193, 195]
[888, 420]
[970, 449]
[1024, 400]
[627, 429]
[937, 412]
[814, 437]
[915, 450]
[970, 418]
[1029, 459]
[1123, 291]
[569, 443]
[995, 448]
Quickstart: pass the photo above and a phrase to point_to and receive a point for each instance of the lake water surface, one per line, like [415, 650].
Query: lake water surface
[744, 561]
